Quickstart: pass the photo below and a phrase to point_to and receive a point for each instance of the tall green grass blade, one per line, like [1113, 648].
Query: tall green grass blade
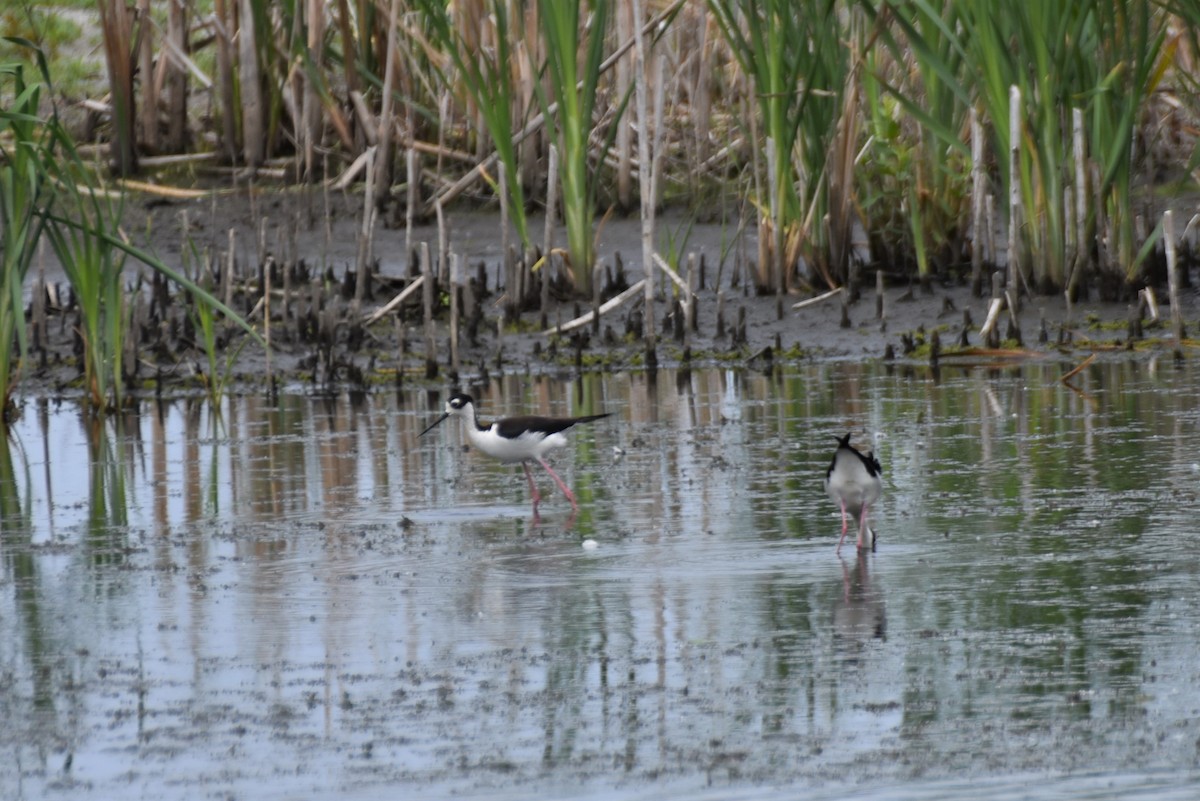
[574, 83]
[488, 78]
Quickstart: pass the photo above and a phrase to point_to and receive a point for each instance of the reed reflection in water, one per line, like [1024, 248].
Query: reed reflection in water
[305, 585]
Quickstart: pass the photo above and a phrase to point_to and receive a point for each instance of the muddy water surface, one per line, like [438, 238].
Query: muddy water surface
[302, 599]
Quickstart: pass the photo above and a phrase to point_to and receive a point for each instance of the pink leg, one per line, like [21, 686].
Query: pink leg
[533, 490]
[565, 490]
[862, 526]
[844, 527]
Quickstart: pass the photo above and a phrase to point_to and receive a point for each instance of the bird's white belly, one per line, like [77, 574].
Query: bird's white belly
[852, 484]
[530, 445]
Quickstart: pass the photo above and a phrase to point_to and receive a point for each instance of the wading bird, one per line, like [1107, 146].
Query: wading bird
[853, 482]
[516, 439]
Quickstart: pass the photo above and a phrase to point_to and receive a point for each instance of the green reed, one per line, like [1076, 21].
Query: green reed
[574, 54]
[794, 54]
[81, 221]
[26, 147]
[95, 270]
[916, 183]
[1102, 57]
[487, 74]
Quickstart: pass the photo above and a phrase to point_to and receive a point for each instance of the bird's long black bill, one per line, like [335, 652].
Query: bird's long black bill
[434, 424]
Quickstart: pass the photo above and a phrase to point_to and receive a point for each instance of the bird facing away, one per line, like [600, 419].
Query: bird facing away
[516, 439]
[853, 482]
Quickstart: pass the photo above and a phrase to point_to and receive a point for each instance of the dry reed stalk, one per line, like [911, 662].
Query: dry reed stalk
[250, 82]
[431, 365]
[548, 237]
[383, 167]
[177, 78]
[840, 186]
[1081, 254]
[367, 122]
[770, 262]
[443, 253]
[413, 170]
[349, 46]
[978, 191]
[455, 272]
[538, 121]
[612, 303]
[267, 317]
[40, 338]
[227, 277]
[624, 139]
[528, 152]
[148, 133]
[1014, 190]
[512, 303]
[700, 107]
[327, 238]
[115, 26]
[647, 191]
[365, 235]
[690, 323]
[989, 222]
[597, 275]
[395, 302]
[1067, 376]
[880, 311]
[720, 334]
[315, 13]
[822, 296]
[1173, 281]
[263, 225]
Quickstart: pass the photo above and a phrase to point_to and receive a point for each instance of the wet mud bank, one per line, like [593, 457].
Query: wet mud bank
[300, 250]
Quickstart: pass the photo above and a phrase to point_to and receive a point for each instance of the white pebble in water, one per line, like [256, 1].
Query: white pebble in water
[590, 545]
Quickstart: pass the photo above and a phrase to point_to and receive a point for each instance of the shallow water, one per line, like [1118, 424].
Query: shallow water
[302, 599]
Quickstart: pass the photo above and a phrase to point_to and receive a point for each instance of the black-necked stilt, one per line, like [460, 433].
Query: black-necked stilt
[853, 481]
[516, 439]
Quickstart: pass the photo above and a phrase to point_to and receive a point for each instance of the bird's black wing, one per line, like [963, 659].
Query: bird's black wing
[513, 427]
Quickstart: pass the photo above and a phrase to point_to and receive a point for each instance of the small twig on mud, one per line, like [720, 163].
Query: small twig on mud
[624, 297]
[830, 294]
[396, 301]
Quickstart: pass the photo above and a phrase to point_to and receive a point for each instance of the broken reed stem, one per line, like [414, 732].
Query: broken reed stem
[364, 235]
[1014, 188]
[1080, 197]
[414, 183]
[548, 235]
[396, 301]
[645, 177]
[443, 243]
[328, 237]
[384, 163]
[431, 366]
[813, 301]
[690, 322]
[510, 282]
[267, 318]
[597, 275]
[1173, 280]
[455, 272]
[227, 278]
[880, 311]
[608, 306]
[977, 195]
